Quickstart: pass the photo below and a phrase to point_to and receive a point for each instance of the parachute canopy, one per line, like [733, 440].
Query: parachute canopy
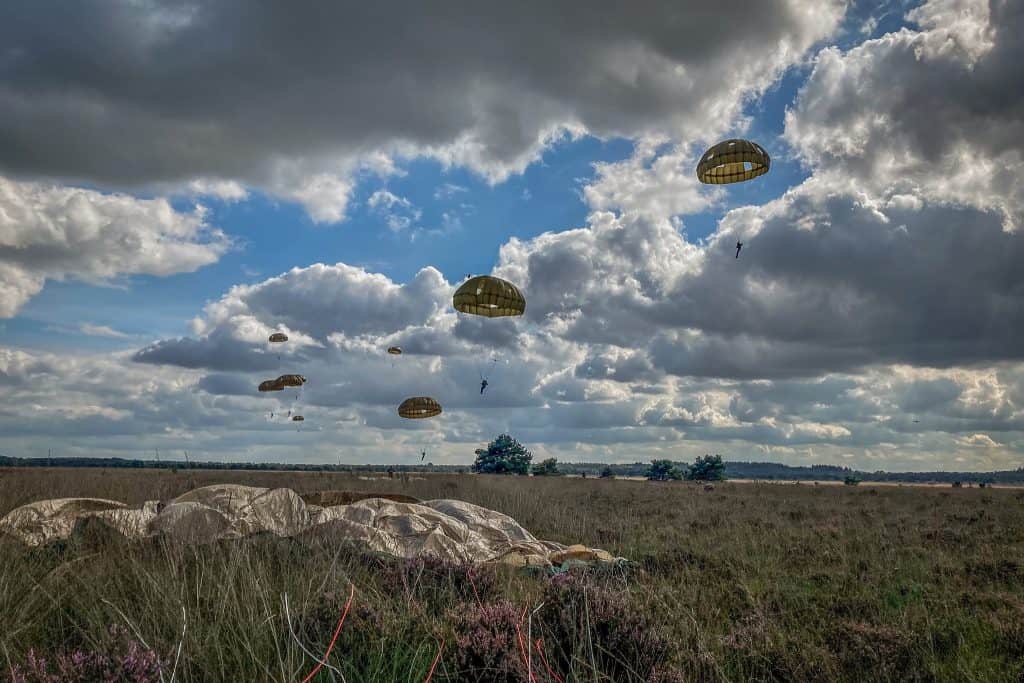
[395, 350]
[270, 385]
[419, 407]
[489, 296]
[733, 161]
[278, 337]
[290, 380]
[298, 418]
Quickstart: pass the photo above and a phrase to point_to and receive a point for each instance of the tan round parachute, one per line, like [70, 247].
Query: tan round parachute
[733, 161]
[298, 418]
[290, 380]
[489, 296]
[395, 350]
[270, 385]
[278, 337]
[419, 407]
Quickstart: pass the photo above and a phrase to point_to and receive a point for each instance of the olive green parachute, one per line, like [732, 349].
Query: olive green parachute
[291, 380]
[270, 385]
[733, 161]
[298, 418]
[418, 407]
[395, 350]
[489, 296]
[278, 337]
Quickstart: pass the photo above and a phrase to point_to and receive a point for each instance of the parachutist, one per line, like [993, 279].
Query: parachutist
[423, 456]
[739, 245]
[483, 385]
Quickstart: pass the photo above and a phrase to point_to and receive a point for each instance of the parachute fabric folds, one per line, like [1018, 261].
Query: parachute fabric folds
[290, 380]
[733, 161]
[489, 296]
[447, 529]
[270, 385]
[418, 407]
[278, 337]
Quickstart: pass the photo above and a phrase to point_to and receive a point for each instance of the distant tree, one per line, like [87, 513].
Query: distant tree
[851, 481]
[607, 473]
[504, 455]
[707, 468]
[546, 468]
[663, 470]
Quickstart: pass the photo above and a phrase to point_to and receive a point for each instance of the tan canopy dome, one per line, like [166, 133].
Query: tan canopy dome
[270, 385]
[733, 161]
[291, 380]
[489, 296]
[395, 350]
[278, 337]
[419, 407]
[298, 418]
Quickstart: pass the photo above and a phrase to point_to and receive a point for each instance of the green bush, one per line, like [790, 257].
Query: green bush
[663, 470]
[707, 468]
[546, 468]
[504, 455]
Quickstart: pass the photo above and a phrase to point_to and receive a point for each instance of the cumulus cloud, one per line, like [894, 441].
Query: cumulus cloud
[54, 232]
[293, 101]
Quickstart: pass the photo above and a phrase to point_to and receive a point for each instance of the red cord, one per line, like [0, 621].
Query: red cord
[334, 638]
[540, 651]
[433, 666]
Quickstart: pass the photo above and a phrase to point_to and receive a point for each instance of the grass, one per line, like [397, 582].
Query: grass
[745, 582]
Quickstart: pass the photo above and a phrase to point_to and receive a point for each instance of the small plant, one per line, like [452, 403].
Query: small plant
[125, 660]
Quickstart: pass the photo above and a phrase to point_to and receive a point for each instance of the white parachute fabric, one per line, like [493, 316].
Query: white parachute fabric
[449, 529]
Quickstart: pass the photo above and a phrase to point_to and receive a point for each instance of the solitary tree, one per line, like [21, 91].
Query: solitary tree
[663, 470]
[546, 468]
[851, 481]
[504, 455]
[707, 468]
[607, 473]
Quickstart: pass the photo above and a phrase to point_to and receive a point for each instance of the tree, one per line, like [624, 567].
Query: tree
[546, 468]
[663, 470]
[851, 481]
[707, 468]
[504, 455]
[607, 473]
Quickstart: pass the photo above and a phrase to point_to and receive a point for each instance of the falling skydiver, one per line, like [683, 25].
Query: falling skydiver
[739, 245]
[483, 385]
[423, 456]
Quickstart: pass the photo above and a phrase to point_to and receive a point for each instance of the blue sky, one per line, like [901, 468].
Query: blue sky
[558, 154]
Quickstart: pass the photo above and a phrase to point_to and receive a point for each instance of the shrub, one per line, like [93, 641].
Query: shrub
[607, 473]
[124, 660]
[851, 481]
[486, 645]
[546, 468]
[707, 468]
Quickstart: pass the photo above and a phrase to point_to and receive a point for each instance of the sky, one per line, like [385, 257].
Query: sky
[178, 181]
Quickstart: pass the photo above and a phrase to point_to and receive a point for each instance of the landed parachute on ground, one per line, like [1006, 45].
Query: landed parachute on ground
[419, 407]
[278, 337]
[489, 296]
[395, 350]
[733, 161]
[270, 385]
[291, 380]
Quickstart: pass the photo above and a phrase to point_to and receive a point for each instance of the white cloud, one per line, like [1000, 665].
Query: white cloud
[54, 232]
[102, 331]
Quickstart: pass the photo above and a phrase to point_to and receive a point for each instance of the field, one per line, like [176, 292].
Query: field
[745, 582]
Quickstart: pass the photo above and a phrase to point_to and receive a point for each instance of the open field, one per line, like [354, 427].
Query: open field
[748, 581]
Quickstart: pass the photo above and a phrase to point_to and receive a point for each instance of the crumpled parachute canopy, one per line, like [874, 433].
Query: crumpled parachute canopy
[419, 407]
[290, 380]
[278, 337]
[449, 529]
[395, 350]
[489, 296]
[270, 385]
[733, 161]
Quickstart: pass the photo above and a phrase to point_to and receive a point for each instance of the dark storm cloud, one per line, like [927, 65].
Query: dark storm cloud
[129, 93]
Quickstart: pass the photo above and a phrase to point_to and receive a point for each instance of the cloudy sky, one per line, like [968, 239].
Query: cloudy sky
[178, 181]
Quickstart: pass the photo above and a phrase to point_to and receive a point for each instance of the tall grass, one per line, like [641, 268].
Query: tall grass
[746, 582]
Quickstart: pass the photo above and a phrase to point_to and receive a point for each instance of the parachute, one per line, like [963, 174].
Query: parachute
[490, 297]
[290, 380]
[419, 407]
[278, 337]
[733, 161]
[298, 418]
[395, 350]
[270, 385]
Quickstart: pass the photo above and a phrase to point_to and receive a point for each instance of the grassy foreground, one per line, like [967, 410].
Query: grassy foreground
[745, 582]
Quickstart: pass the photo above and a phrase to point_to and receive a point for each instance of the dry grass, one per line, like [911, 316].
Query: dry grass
[746, 582]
